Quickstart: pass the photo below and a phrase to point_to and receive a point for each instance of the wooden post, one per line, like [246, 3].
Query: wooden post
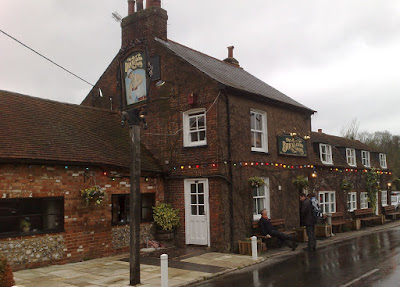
[134, 202]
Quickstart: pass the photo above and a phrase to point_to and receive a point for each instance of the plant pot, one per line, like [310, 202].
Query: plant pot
[164, 235]
[26, 229]
[322, 230]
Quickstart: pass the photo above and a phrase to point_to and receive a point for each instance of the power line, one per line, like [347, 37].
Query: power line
[26, 46]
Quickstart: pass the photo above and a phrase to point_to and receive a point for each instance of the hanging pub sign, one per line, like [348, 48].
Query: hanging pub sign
[135, 77]
[289, 145]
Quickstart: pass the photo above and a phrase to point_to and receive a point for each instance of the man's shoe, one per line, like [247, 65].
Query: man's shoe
[294, 246]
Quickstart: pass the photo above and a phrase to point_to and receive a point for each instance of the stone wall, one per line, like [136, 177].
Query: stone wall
[120, 235]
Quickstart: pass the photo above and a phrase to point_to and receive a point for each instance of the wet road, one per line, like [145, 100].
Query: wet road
[368, 260]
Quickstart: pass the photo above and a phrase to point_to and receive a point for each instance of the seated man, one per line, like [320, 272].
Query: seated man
[270, 231]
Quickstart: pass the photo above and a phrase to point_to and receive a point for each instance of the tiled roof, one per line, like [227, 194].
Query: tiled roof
[338, 154]
[228, 74]
[34, 129]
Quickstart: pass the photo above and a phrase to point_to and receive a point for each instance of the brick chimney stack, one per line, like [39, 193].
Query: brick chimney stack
[320, 131]
[230, 51]
[231, 60]
[143, 24]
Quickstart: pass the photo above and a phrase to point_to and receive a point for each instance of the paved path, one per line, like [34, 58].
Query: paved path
[186, 266]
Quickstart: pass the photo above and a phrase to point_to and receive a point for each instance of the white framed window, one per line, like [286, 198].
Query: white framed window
[365, 158]
[384, 197]
[363, 200]
[325, 151]
[351, 201]
[382, 160]
[261, 199]
[194, 128]
[351, 156]
[259, 136]
[327, 201]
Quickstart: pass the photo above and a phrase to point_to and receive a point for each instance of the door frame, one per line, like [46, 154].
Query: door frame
[186, 190]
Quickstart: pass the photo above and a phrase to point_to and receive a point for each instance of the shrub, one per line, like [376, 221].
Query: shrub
[165, 216]
[6, 274]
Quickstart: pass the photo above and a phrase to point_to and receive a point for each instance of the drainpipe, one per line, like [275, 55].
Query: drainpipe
[230, 172]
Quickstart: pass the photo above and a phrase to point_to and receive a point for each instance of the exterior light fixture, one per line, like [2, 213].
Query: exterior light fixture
[314, 174]
[160, 83]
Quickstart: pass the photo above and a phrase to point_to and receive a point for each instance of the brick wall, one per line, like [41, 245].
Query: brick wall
[88, 229]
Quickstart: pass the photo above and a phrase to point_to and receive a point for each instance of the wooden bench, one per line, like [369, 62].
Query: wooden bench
[367, 215]
[338, 221]
[390, 211]
[279, 224]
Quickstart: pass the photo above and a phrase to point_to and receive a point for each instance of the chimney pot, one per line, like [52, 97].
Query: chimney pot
[320, 131]
[230, 51]
[131, 7]
[153, 3]
[139, 5]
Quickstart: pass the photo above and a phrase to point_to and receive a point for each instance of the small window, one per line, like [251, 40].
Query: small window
[365, 158]
[327, 201]
[194, 128]
[382, 160]
[384, 197]
[259, 139]
[326, 153]
[363, 200]
[120, 208]
[351, 201]
[351, 156]
[27, 216]
[261, 199]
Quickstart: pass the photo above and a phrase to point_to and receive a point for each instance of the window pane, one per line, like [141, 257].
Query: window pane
[257, 140]
[253, 121]
[201, 198]
[33, 207]
[201, 188]
[201, 122]
[260, 203]
[8, 207]
[202, 135]
[194, 137]
[194, 209]
[201, 210]
[9, 224]
[255, 211]
[261, 191]
[192, 124]
[52, 221]
[193, 188]
[254, 190]
[194, 199]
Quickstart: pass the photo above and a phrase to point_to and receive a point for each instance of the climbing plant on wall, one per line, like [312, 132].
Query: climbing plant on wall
[372, 185]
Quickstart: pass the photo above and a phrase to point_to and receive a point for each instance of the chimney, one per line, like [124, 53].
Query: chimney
[320, 131]
[144, 23]
[153, 3]
[131, 7]
[139, 5]
[231, 59]
[230, 51]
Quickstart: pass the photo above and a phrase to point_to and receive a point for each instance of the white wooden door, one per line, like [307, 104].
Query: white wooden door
[197, 216]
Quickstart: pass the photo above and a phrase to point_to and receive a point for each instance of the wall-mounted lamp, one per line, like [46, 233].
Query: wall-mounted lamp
[293, 134]
[314, 174]
[307, 137]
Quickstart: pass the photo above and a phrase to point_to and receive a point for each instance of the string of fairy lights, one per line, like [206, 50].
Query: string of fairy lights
[273, 165]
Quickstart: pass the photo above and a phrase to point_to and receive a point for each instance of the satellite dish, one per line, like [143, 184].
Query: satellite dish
[116, 16]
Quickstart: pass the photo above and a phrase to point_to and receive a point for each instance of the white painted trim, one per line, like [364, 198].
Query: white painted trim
[351, 154]
[264, 137]
[328, 149]
[186, 128]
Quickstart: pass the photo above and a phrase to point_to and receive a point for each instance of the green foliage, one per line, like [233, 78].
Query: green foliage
[301, 182]
[6, 274]
[93, 194]
[165, 216]
[372, 186]
[346, 185]
[24, 223]
[256, 181]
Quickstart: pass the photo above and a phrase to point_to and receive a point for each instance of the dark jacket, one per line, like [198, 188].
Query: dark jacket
[265, 226]
[306, 213]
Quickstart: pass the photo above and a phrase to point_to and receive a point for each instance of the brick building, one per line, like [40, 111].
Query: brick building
[212, 126]
[337, 159]
[49, 153]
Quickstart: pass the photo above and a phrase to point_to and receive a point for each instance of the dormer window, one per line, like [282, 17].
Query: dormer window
[365, 158]
[382, 160]
[325, 151]
[194, 128]
[351, 156]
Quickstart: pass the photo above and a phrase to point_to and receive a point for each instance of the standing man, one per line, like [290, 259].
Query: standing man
[268, 230]
[308, 220]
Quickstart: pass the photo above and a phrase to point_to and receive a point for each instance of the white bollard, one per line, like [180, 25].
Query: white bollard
[164, 270]
[254, 248]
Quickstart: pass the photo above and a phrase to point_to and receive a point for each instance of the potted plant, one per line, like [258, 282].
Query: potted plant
[93, 194]
[301, 183]
[25, 225]
[166, 219]
[256, 181]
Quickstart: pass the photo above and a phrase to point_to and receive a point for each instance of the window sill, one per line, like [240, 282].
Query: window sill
[196, 146]
[259, 151]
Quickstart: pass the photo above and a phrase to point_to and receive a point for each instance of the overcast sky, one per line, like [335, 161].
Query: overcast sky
[340, 58]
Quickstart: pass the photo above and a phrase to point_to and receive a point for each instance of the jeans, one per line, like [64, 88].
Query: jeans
[283, 238]
[312, 241]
